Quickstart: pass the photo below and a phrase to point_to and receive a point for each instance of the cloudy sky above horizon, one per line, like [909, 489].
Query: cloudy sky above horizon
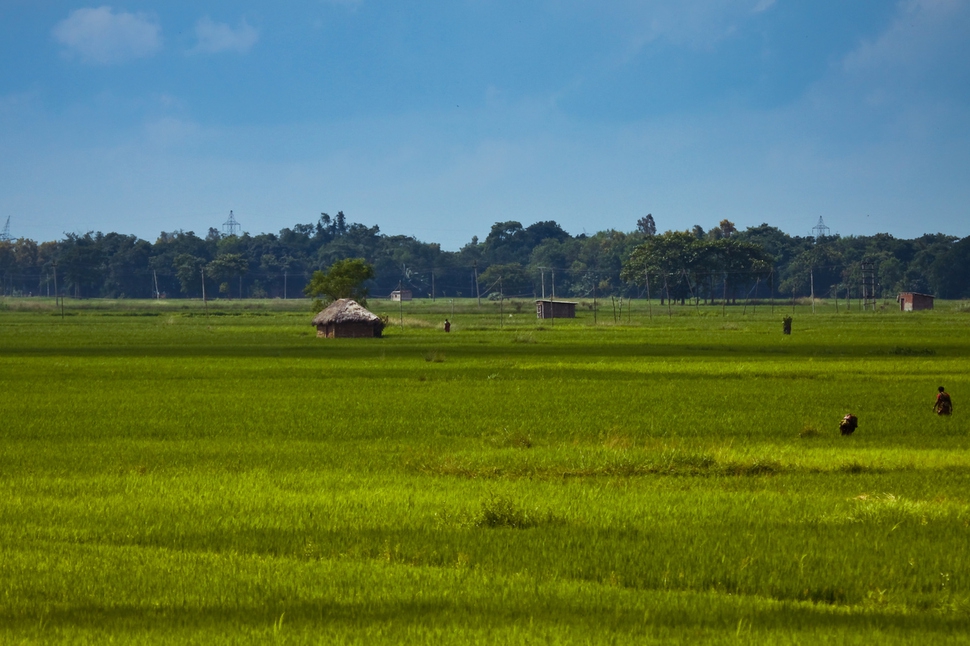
[438, 118]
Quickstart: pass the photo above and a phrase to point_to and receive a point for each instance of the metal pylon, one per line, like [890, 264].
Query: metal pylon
[230, 227]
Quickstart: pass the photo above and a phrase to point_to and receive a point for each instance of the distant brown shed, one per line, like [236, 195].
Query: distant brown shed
[914, 301]
[346, 318]
[549, 309]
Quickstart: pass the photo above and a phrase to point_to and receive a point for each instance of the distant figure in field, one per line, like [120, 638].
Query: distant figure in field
[447, 325]
[849, 423]
[944, 405]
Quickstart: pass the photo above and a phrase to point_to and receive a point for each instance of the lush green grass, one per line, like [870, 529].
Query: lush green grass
[171, 477]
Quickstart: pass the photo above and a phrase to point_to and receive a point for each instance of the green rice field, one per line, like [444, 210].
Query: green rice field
[178, 475]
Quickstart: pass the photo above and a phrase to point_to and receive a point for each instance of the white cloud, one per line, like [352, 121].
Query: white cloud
[695, 24]
[214, 37]
[171, 131]
[923, 31]
[103, 36]
[763, 5]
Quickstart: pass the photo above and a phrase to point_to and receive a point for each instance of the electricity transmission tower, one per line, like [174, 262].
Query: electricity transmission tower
[820, 230]
[5, 234]
[230, 227]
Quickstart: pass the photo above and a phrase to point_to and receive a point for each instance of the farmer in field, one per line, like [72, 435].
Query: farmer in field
[447, 325]
[944, 405]
[848, 424]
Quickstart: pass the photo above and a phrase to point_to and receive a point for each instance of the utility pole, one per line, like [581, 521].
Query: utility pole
[649, 302]
[552, 305]
[724, 298]
[667, 292]
[772, 277]
[57, 293]
[594, 301]
[868, 285]
[204, 304]
[811, 277]
[501, 303]
[478, 292]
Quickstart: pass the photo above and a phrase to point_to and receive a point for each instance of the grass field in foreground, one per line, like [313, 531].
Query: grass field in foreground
[171, 478]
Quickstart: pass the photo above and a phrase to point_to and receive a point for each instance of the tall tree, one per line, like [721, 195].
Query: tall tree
[669, 258]
[508, 280]
[647, 226]
[344, 279]
[227, 266]
[188, 271]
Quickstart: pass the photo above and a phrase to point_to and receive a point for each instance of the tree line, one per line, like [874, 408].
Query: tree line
[512, 261]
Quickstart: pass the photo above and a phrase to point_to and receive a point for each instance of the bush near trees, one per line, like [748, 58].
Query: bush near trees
[722, 261]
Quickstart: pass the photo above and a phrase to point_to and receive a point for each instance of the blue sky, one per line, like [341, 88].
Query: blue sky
[438, 118]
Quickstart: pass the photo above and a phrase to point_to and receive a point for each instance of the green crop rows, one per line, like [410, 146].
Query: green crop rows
[658, 476]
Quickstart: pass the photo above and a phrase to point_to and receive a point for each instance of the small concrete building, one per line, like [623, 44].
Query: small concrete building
[549, 309]
[914, 301]
[401, 295]
[346, 318]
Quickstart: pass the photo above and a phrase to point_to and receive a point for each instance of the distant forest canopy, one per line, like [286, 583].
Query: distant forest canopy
[514, 261]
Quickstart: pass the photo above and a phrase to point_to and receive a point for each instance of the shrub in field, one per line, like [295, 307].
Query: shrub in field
[499, 511]
[759, 467]
[892, 510]
[511, 439]
[853, 467]
[912, 352]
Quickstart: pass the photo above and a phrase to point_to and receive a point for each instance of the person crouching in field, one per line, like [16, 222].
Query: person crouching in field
[944, 405]
[848, 424]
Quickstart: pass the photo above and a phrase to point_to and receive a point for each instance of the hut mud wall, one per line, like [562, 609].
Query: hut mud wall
[348, 330]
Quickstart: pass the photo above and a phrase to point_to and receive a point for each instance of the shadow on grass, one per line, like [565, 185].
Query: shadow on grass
[269, 345]
[674, 612]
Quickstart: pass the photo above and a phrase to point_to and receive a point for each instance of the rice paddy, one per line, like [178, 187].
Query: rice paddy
[168, 476]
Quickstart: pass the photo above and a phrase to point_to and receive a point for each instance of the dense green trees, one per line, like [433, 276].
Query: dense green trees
[719, 262]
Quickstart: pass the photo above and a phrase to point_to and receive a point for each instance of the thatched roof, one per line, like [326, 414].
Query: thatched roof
[345, 310]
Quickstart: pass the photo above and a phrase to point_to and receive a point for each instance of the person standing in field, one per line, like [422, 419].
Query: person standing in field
[848, 424]
[944, 405]
[447, 325]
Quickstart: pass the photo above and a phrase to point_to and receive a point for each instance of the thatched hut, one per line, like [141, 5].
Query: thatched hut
[346, 318]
